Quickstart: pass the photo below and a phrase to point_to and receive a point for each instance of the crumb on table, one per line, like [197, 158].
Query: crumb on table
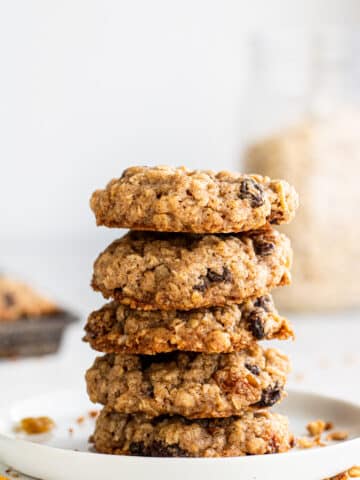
[12, 473]
[353, 472]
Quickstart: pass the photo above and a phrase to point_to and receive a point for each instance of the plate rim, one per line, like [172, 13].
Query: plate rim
[44, 448]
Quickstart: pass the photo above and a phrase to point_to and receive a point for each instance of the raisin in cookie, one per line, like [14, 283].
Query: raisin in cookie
[195, 385]
[180, 200]
[116, 328]
[254, 433]
[169, 271]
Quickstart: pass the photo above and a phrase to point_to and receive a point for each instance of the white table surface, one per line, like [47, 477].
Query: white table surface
[325, 354]
[325, 357]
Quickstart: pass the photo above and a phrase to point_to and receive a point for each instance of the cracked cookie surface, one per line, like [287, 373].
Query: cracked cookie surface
[116, 328]
[181, 200]
[195, 385]
[254, 433]
[169, 271]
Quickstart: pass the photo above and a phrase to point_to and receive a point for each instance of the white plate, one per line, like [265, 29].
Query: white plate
[53, 457]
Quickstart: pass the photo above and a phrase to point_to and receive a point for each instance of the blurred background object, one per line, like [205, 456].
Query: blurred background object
[30, 323]
[89, 87]
[305, 91]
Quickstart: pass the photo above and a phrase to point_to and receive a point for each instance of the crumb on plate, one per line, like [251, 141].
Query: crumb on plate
[35, 425]
[299, 377]
[308, 442]
[316, 427]
[337, 435]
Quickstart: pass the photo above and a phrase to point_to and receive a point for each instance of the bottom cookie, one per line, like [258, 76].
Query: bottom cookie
[254, 433]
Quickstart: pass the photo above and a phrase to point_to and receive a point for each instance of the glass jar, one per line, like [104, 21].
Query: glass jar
[305, 127]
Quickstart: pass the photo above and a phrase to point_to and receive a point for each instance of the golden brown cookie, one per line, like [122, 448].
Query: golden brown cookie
[170, 199]
[195, 385]
[169, 271]
[116, 328]
[254, 433]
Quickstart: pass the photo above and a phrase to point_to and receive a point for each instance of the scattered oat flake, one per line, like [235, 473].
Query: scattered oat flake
[80, 420]
[93, 413]
[329, 426]
[337, 435]
[71, 430]
[316, 427]
[308, 442]
[35, 425]
[304, 442]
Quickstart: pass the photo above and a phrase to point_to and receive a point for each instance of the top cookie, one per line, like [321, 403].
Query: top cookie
[170, 199]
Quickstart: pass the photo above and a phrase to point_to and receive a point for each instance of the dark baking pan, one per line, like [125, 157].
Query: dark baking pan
[34, 336]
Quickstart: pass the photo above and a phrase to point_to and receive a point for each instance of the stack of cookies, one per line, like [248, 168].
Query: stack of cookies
[183, 373]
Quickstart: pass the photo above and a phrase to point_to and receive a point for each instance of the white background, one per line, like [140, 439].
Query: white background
[90, 87]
